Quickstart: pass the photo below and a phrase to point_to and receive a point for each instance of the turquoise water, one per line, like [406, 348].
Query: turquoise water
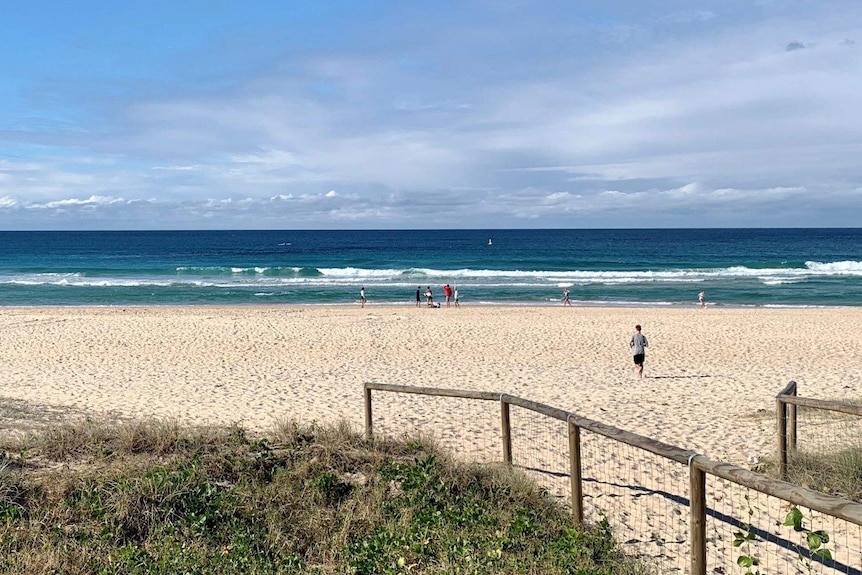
[736, 267]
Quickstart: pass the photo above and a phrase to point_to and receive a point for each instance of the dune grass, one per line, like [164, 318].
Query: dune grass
[157, 498]
[831, 459]
[838, 473]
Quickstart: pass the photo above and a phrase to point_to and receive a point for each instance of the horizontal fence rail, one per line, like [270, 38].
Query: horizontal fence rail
[720, 509]
[827, 504]
[826, 405]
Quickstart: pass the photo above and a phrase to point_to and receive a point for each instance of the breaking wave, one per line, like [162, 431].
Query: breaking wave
[247, 276]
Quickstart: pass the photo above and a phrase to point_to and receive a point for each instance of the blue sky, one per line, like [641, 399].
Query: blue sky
[470, 114]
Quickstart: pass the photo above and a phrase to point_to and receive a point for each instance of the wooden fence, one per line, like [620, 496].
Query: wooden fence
[699, 466]
[787, 401]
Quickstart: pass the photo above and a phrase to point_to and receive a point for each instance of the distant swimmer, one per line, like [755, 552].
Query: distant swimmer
[701, 297]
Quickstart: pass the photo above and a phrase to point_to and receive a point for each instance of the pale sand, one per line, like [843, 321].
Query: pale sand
[710, 386]
[708, 372]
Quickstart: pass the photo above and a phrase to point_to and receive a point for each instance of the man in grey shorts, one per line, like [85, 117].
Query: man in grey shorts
[638, 344]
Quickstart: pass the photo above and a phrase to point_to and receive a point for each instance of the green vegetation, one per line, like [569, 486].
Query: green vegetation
[838, 473]
[813, 546]
[155, 498]
[745, 539]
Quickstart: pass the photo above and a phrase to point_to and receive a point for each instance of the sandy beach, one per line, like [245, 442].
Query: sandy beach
[711, 375]
[710, 382]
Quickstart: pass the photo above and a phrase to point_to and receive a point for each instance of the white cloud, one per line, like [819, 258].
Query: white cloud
[70, 202]
[693, 109]
[560, 197]
[192, 168]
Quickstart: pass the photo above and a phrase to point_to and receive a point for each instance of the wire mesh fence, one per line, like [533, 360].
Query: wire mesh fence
[540, 449]
[820, 443]
[473, 434]
[754, 532]
[644, 489]
[635, 491]
[827, 431]
[643, 496]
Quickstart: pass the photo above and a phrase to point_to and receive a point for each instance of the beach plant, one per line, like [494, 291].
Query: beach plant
[160, 499]
[813, 542]
[743, 539]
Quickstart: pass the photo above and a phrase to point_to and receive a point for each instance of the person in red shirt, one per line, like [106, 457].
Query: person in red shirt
[447, 291]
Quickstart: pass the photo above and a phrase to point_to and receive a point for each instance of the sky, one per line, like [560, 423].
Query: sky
[348, 114]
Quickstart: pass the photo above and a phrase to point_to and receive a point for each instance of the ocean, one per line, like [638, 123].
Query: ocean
[667, 267]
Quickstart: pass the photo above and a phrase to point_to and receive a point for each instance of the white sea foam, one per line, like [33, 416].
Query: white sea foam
[781, 281]
[236, 269]
[201, 268]
[774, 276]
[852, 268]
[257, 270]
[408, 278]
[359, 273]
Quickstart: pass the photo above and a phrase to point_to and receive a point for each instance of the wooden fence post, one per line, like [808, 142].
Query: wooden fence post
[575, 473]
[369, 430]
[791, 423]
[781, 410]
[506, 431]
[697, 525]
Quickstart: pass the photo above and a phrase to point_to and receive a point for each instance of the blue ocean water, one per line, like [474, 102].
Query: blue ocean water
[735, 267]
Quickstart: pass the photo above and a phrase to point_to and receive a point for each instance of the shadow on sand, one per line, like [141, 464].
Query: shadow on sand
[765, 535]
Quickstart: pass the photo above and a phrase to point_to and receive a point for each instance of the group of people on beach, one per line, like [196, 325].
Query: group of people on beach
[449, 292]
[452, 296]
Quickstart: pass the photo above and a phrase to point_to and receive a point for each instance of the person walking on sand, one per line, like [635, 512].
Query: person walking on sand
[362, 299]
[638, 344]
[566, 300]
[701, 297]
[418, 292]
[429, 296]
[456, 297]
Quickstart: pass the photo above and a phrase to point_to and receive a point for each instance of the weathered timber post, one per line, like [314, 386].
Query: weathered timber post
[791, 422]
[781, 410]
[369, 430]
[575, 473]
[506, 431]
[697, 526]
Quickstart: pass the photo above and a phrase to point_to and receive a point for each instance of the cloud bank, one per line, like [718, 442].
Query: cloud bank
[494, 115]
